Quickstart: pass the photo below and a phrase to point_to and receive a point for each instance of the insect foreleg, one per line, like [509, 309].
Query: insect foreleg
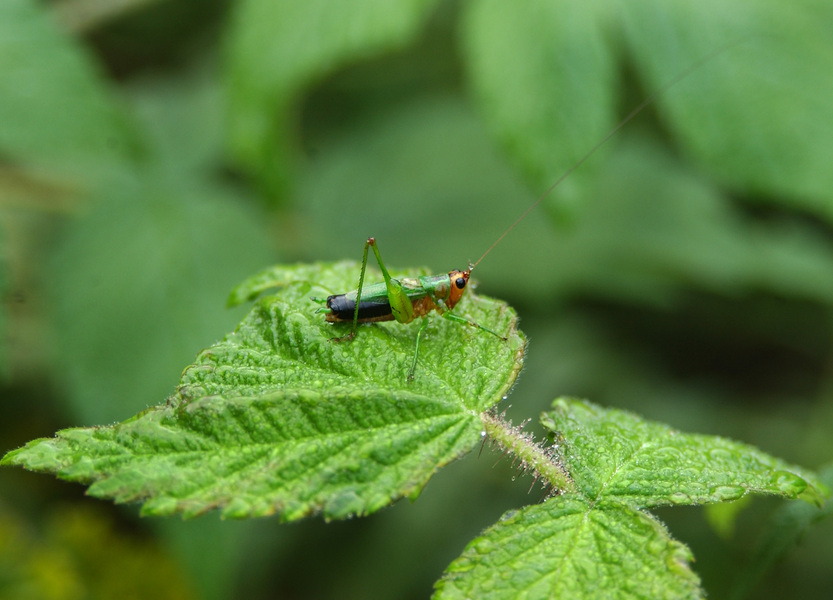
[447, 314]
[445, 311]
[458, 319]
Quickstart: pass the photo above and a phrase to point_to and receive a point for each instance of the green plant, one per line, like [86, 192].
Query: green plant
[154, 153]
[276, 419]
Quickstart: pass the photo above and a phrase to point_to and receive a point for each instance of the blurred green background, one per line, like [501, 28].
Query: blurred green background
[154, 153]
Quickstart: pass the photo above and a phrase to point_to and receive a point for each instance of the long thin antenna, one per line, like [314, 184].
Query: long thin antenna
[650, 99]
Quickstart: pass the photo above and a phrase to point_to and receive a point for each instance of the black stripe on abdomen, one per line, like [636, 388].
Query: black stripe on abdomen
[342, 308]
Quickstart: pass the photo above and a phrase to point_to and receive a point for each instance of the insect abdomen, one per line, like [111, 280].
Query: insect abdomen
[342, 308]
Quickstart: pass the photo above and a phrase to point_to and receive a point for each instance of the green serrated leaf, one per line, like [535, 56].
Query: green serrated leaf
[572, 548]
[615, 456]
[458, 360]
[277, 418]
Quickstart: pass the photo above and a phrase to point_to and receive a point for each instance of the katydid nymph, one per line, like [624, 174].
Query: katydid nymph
[403, 300]
[400, 300]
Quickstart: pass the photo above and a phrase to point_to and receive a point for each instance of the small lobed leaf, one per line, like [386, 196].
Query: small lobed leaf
[276, 418]
[598, 541]
[569, 548]
[615, 456]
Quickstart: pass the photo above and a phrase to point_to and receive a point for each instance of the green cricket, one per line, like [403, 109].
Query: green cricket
[402, 300]
[406, 299]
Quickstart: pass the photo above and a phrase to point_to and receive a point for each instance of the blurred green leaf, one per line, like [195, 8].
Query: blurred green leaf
[277, 418]
[275, 48]
[653, 229]
[526, 65]
[183, 119]
[758, 114]
[723, 517]
[85, 15]
[650, 231]
[755, 113]
[4, 368]
[786, 528]
[137, 285]
[423, 179]
[56, 110]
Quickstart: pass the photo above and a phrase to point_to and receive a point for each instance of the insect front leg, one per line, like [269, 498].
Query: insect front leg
[447, 314]
[458, 319]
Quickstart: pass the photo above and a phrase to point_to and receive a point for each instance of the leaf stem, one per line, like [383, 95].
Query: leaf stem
[536, 457]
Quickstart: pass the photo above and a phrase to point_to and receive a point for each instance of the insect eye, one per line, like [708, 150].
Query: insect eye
[460, 283]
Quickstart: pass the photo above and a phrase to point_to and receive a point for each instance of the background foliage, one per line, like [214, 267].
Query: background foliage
[154, 153]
